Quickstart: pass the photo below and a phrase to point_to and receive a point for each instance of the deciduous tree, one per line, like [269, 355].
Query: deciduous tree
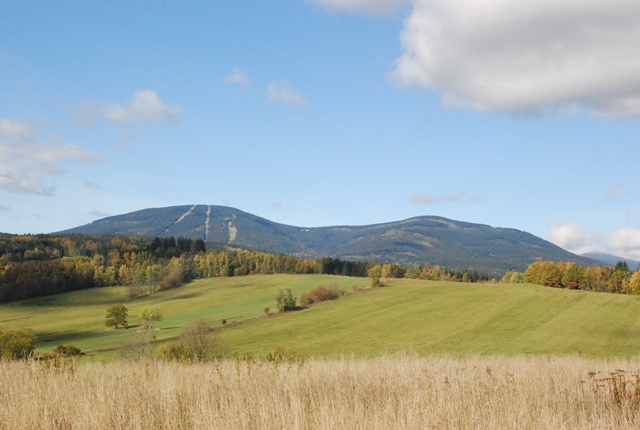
[117, 316]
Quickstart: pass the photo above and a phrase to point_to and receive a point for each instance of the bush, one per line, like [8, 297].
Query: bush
[17, 343]
[67, 350]
[320, 294]
[174, 352]
[197, 343]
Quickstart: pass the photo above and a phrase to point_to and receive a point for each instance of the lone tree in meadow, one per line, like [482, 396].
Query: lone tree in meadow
[117, 316]
[285, 300]
[149, 317]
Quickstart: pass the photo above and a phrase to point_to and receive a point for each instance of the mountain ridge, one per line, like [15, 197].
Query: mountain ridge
[611, 259]
[416, 240]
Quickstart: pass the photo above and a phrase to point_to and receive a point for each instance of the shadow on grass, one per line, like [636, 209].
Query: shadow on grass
[64, 338]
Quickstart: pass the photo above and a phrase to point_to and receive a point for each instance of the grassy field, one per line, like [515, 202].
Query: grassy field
[78, 318]
[455, 318]
[417, 316]
[391, 392]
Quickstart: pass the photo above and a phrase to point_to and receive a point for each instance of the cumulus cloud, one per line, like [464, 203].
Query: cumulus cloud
[25, 165]
[525, 57]
[237, 77]
[281, 93]
[575, 238]
[431, 199]
[625, 242]
[622, 242]
[375, 7]
[145, 106]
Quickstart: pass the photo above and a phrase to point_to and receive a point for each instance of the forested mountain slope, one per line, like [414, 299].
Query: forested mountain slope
[435, 240]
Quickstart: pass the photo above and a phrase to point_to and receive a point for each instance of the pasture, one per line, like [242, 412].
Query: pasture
[422, 317]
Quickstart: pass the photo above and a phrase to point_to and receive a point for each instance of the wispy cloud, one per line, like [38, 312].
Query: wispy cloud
[237, 77]
[25, 165]
[524, 57]
[280, 92]
[277, 206]
[144, 107]
[98, 214]
[15, 130]
[88, 184]
[375, 7]
[612, 191]
[433, 199]
[4, 208]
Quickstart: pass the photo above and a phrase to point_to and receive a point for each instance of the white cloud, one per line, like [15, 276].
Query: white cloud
[527, 56]
[625, 242]
[431, 199]
[15, 130]
[575, 238]
[24, 165]
[145, 106]
[282, 93]
[237, 77]
[375, 7]
[98, 214]
[622, 242]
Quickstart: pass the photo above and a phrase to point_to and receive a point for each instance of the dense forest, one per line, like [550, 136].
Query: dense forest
[40, 265]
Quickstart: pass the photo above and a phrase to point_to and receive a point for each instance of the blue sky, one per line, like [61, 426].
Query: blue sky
[326, 112]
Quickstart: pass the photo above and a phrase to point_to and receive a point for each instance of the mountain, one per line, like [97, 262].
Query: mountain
[611, 259]
[452, 244]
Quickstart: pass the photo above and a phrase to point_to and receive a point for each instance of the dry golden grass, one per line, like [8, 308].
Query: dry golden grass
[393, 392]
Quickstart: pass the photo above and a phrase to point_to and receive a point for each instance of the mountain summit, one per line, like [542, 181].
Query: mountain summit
[431, 239]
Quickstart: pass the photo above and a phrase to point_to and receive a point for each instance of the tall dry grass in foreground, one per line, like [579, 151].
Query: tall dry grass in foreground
[399, 392]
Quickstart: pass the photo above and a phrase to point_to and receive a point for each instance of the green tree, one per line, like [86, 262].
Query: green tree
[375, 273]
[116, 316]
[17, 343]
[285, 300]
[149, 317]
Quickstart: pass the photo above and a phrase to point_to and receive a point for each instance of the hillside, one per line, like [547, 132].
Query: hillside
[420, 316]
[436, 240]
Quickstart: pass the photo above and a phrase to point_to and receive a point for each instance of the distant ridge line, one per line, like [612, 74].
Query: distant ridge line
[418, 240]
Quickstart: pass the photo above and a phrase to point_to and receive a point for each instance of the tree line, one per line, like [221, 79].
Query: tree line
[40, 265]
[612, 279]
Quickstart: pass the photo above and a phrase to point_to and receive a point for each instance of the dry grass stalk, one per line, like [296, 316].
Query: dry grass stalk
[393, 392]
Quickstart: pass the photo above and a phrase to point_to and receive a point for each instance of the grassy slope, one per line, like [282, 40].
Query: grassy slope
[420, 316]
[78, 317]
[428, 317]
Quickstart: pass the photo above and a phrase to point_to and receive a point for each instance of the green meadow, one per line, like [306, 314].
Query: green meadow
[424, 317]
